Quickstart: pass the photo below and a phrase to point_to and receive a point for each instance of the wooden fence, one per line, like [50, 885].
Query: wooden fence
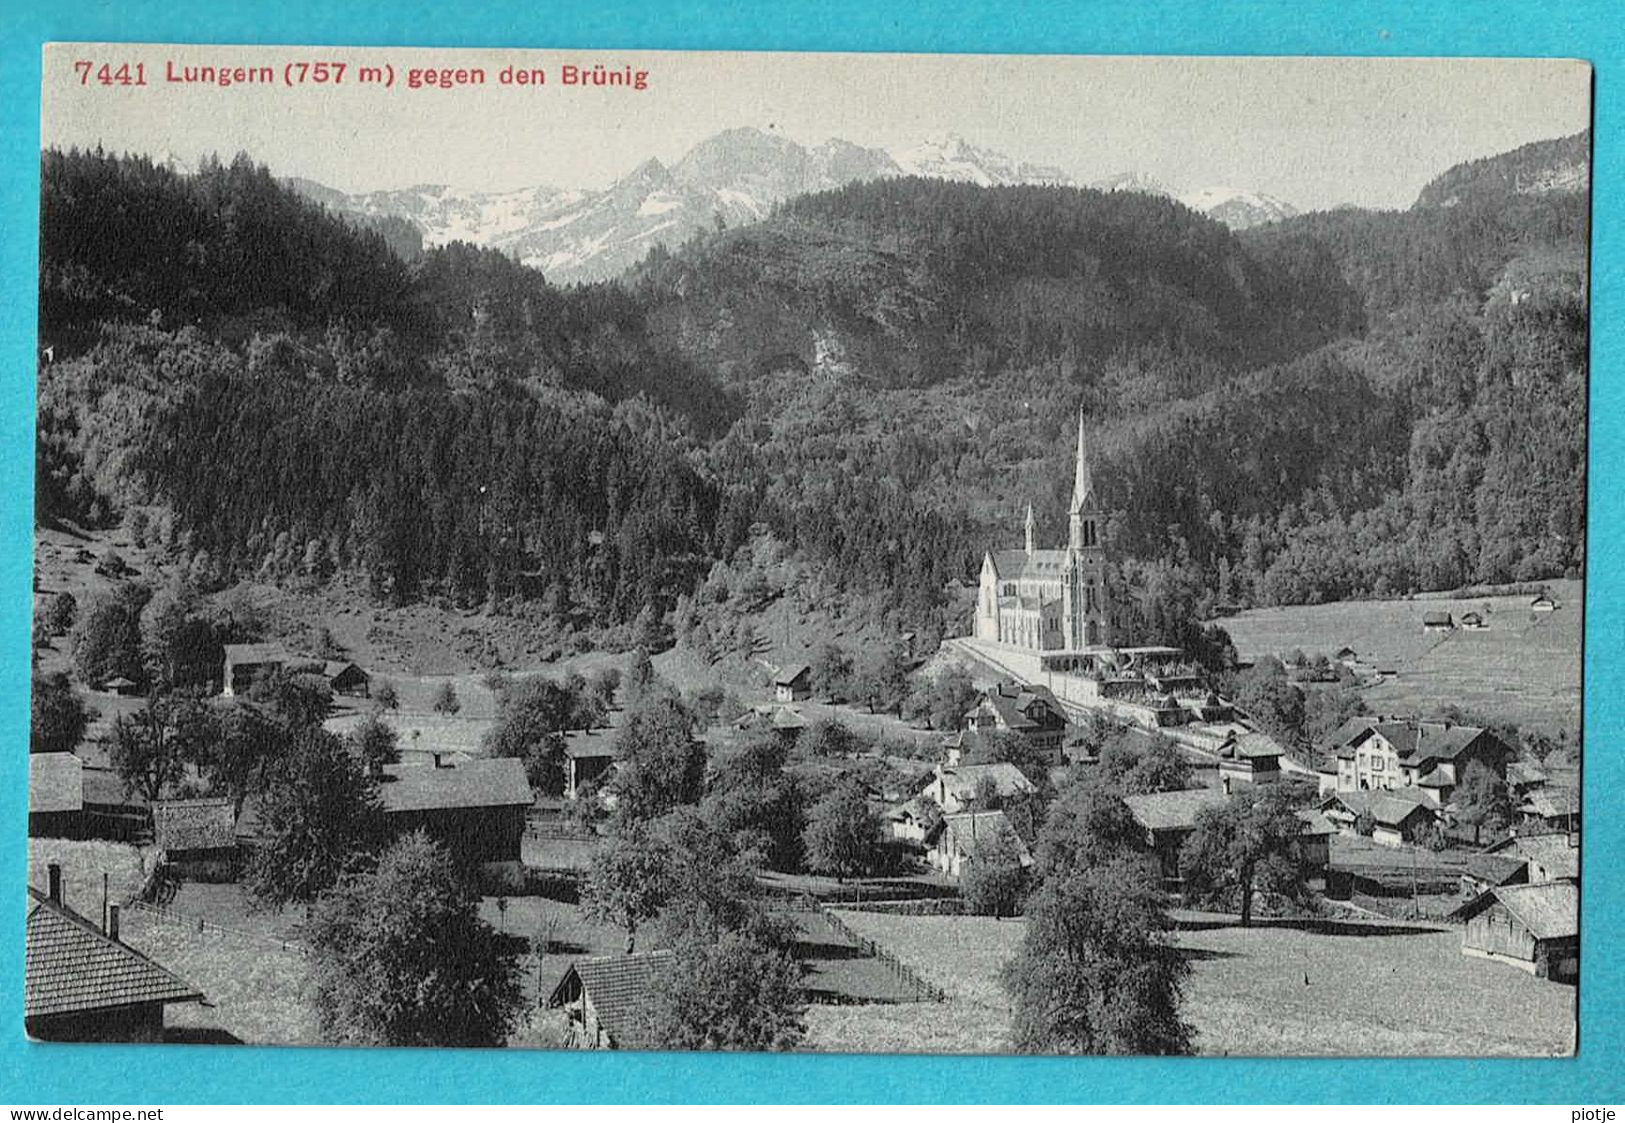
[926, 992]
[202, 926]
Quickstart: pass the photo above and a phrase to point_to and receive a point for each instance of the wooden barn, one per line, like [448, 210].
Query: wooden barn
[244, 662]
[608, 999]
[1250, 758]
[347, 678]
[198, 838]
[793, 684]
[83, 984]
[476, 807]
[1535, 928]
[1438, 622]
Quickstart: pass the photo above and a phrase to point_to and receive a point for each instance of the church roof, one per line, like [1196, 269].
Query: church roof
[1013, 565]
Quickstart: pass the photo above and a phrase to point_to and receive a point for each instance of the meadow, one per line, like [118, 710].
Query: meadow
[1256, 991]
[1524, 667]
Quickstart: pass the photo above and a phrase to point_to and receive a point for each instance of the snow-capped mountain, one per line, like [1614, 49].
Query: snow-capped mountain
[946, 156]
[734, 177]
[1235, 208]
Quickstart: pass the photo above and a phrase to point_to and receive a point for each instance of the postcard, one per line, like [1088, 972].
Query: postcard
[865, 553]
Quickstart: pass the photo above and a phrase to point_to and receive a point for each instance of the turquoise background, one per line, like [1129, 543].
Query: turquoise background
[64, 1075]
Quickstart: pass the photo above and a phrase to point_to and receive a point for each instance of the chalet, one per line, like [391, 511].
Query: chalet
[197, 838]
[1550, 809]
[84, 984]
[956, 789]
[793, 683]
[56, 796]
[347, 678]
[1431, 757]
[1474, 621]
[476, 807]
[956, 840]
[1543, 603]
[609, 999]
[1032, 713]
[587, 760]
[1535, 928]
[244, 662]
[1438, 622]
[1250, 758]
[1396, 817]
[1169, 818]
[1548, 857]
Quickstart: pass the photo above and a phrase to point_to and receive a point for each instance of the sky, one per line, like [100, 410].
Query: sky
[1314, 132]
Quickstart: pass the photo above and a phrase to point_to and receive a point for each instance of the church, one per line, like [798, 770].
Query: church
[1050, 600]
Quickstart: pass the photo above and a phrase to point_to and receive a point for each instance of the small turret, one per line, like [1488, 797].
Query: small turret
[1032, 531]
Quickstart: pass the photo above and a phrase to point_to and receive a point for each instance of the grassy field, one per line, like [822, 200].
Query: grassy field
[1374, 995]
[1523, 668]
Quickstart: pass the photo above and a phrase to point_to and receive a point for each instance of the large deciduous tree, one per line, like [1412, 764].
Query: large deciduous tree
[630, 880]
[733, 991]
[1249, 843]
[57, 715]
[403, 958]
[843, 832]
[661, 764]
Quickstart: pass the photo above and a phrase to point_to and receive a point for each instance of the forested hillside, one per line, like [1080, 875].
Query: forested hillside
[880, 376]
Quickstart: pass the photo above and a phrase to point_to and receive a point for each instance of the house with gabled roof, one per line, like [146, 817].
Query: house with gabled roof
[955, 789]
[347, 678]
[1428, 756]
[1535, 928]
[1397, 817]
[245, 662]
[1029, 712]
[84, 984]
[1248, 757]
[1548, 857]
[609, 999]
[1550, 809]
[957, 840]
[1169, 818]
[474, 807]
[793, 683]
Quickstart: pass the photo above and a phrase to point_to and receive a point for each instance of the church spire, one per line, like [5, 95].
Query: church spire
[1083, 484]
[1032, 530]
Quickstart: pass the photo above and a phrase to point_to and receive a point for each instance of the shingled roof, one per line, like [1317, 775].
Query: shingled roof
[969, 834]
[961, 780]
[496, 782]
[56, 782]
[1166, 811]
[1387, 808]
[194, 824]
[71, 968]
[1015, 564]
[621, 989]
[1549, 910]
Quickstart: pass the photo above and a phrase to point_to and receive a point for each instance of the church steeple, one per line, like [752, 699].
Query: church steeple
[1032, 531]
[1083, 484]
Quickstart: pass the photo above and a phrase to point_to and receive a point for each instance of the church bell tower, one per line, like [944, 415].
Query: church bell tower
[1086, 619]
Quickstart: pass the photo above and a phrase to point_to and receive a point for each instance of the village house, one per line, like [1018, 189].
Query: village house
[1169, 818]
[56, 796]
[1473, 621]
[1438, 622]
[197, 838]
[913, 820]
[1485, 870]
[1396, 817]
[587, 760]
[1535, 928]
[245, 662]
[957, 789]
[347, 678]
[1250, 758]
[608, 999]
[957, 840]
[1543, 603]
[476, 808]
[1432, 757]
[1031, 713]
[1552, 810]
[84, 984]
[793, 683]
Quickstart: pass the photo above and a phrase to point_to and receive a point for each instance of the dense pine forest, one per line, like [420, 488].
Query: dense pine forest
[1338, 405]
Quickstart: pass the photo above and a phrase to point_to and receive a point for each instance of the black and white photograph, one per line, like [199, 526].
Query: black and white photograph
[853, 553]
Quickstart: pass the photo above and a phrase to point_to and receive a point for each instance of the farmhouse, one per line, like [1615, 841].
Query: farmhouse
[1438, 622]
[913, 820]
[476, 808]
[958, 839]
[1396, 817]
[1484, 871]
[1473, 621]
[1535, 928]
[1169, 818]
[1032, 713]
[83, 984]
[244, 662]
[956, 789]
[793, 684]
[1543, 603]
[1249, 758]
[56, 795]
[347, 678]
[1376, 754]
[198, 838]
[608, 999]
